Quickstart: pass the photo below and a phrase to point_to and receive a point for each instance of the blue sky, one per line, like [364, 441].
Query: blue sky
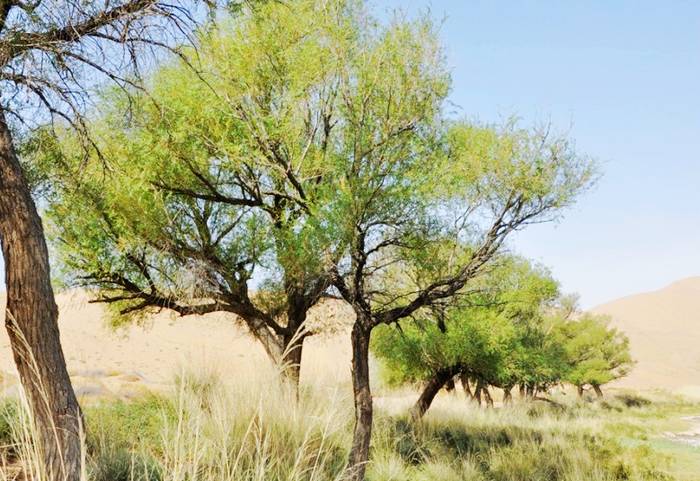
[623, 78]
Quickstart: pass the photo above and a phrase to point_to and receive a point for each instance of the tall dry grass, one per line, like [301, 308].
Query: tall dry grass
[255, 428]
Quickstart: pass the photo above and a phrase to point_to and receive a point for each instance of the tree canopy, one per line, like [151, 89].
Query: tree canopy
[310, 154]
[515, 330]
[596, 353]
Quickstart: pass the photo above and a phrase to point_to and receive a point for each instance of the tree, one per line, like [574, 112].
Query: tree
[217, 179]
[415, 182]
[487, 336]
[49, 54]
[345, 119]
[596, 353]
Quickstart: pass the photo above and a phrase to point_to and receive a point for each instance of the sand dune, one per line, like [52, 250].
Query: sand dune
[103, 362]
[663, 326]
[664, 331]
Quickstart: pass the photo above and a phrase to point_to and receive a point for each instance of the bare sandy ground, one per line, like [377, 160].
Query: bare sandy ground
[663, 326]
[103, 362]
[664, 331]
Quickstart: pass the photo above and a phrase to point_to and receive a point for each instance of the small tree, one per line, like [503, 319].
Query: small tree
[596, 353]
[487, 336]
[50, 55]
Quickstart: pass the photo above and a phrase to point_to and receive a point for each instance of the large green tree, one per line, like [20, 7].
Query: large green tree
[313, 153]
[432, 202]
[217, 180]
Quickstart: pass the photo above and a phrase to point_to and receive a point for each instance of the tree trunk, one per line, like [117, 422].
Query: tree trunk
[291, 359]
[478, 391]
[359, 453]
[579, 389]
[489, 399]
[597, 390]
[508, 395]
[464, 378]
[293, 340]
[440, 379]
[530, 391]
[32, 321]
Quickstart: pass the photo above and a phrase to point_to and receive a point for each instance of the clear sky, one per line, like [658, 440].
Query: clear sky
[624, 78]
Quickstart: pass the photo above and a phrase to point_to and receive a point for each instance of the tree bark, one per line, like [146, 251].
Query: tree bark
[598, 391]
[478, 391]
[433, 386]
[508, 395]
[359, 453]
[291, 359]
[530, 391]
[464, 378]
[31, 319]
[487, 395]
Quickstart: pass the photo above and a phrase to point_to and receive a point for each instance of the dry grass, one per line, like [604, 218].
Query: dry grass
[253, 428]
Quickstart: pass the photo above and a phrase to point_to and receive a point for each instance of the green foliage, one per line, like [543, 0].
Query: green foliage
[595, 352]
[300, 129]
[497, 334]
[513, 330]
[8, 414]
[465, 443]
[124, 425]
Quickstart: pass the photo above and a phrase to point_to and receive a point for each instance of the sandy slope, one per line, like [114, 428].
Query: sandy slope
[663, 326]
[104, 362]
[664, 331]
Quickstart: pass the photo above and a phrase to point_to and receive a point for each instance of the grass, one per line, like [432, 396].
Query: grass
[255, 429]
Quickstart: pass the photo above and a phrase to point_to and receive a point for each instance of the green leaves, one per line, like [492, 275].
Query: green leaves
[596, 353]
[497, 333]
[302, 143]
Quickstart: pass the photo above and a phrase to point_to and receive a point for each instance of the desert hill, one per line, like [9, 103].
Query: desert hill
[123, 363]
[664, 331]
[663, 327]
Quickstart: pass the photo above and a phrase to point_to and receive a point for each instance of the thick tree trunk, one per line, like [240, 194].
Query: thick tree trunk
[31, 319]
[293, 340]
[359, 453]
[433, 386]
[598, 391]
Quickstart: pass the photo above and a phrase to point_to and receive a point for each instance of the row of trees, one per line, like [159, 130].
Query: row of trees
[515, 331]
[301, 151]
